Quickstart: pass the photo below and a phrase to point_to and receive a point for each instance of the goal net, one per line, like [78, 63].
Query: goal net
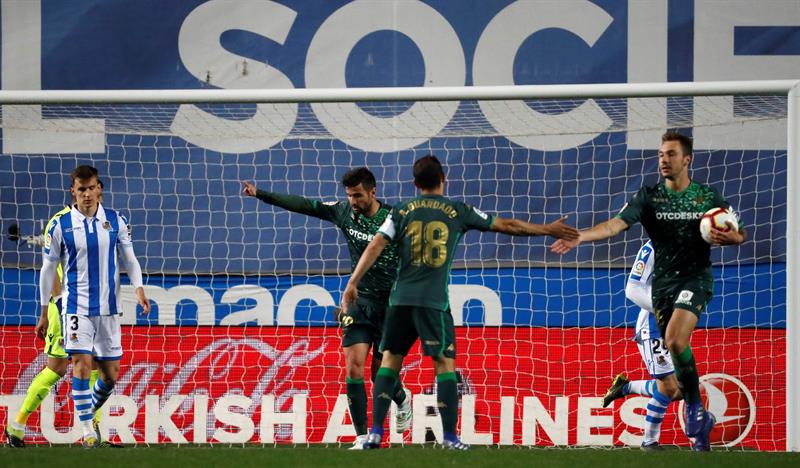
[242, 345]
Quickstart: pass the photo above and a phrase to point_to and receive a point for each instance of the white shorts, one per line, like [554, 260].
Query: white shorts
[656, 357]
[98, 335]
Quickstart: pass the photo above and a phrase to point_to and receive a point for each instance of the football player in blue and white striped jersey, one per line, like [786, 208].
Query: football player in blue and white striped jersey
[663, 387]
[88, 241]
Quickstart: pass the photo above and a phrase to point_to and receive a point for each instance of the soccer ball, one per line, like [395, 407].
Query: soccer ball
[718, 218]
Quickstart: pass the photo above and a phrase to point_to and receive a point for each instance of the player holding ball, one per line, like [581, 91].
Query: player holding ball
[683, 281]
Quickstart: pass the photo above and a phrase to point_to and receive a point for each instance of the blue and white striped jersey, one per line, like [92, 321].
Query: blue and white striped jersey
[639, 290]
[87, 251]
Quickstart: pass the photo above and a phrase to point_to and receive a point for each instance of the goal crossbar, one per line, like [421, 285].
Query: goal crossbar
[442, 93]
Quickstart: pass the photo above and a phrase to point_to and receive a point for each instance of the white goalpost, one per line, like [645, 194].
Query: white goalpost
[793, 270]
[243, 346]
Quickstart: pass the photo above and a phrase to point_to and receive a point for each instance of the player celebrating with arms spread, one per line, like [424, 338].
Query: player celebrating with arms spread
[87, 240]
[362, 323]
[683, 281]
[427, 230]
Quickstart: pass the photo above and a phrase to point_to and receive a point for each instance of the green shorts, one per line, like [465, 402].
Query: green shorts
[434, 328]
[693, 295]
[54, 340]
[363, 323]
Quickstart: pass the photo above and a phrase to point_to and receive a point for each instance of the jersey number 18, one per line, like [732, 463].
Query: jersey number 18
[428, 243]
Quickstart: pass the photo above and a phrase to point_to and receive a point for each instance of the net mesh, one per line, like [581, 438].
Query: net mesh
[243, 292]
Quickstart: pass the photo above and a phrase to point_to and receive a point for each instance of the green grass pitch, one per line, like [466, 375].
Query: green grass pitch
[422, 456]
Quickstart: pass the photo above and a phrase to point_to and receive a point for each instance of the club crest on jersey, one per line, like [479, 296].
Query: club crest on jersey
[48, 239]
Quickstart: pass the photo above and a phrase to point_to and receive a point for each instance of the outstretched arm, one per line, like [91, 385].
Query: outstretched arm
[292, 203]
[516, 227]
[610, 228]
[368, 258]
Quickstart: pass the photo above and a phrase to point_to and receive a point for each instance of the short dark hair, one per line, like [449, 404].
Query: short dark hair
[685, 141]
[428, 172]
[83, 173]
[359, 175]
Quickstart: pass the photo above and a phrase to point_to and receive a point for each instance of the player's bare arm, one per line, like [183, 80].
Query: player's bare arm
[368, 258]
[604, 230]
[516, 227]
[732, 237]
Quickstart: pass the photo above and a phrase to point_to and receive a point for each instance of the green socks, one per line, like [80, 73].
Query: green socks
[686, 371]
[37, 392]
[447, 401]
[382, 393]
[357, 397]
[357, 402]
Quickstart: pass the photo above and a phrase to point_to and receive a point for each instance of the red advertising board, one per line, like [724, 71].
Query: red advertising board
[531, 386]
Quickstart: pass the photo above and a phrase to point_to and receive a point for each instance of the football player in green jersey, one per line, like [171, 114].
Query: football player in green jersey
[670, 212]
[426, 232]
[359, 219]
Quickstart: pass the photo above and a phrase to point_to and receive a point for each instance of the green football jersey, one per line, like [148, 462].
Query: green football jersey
[672, 220]
[426, 231]
[359, 230]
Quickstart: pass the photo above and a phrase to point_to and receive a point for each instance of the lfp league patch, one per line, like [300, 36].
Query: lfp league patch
[641, 261]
